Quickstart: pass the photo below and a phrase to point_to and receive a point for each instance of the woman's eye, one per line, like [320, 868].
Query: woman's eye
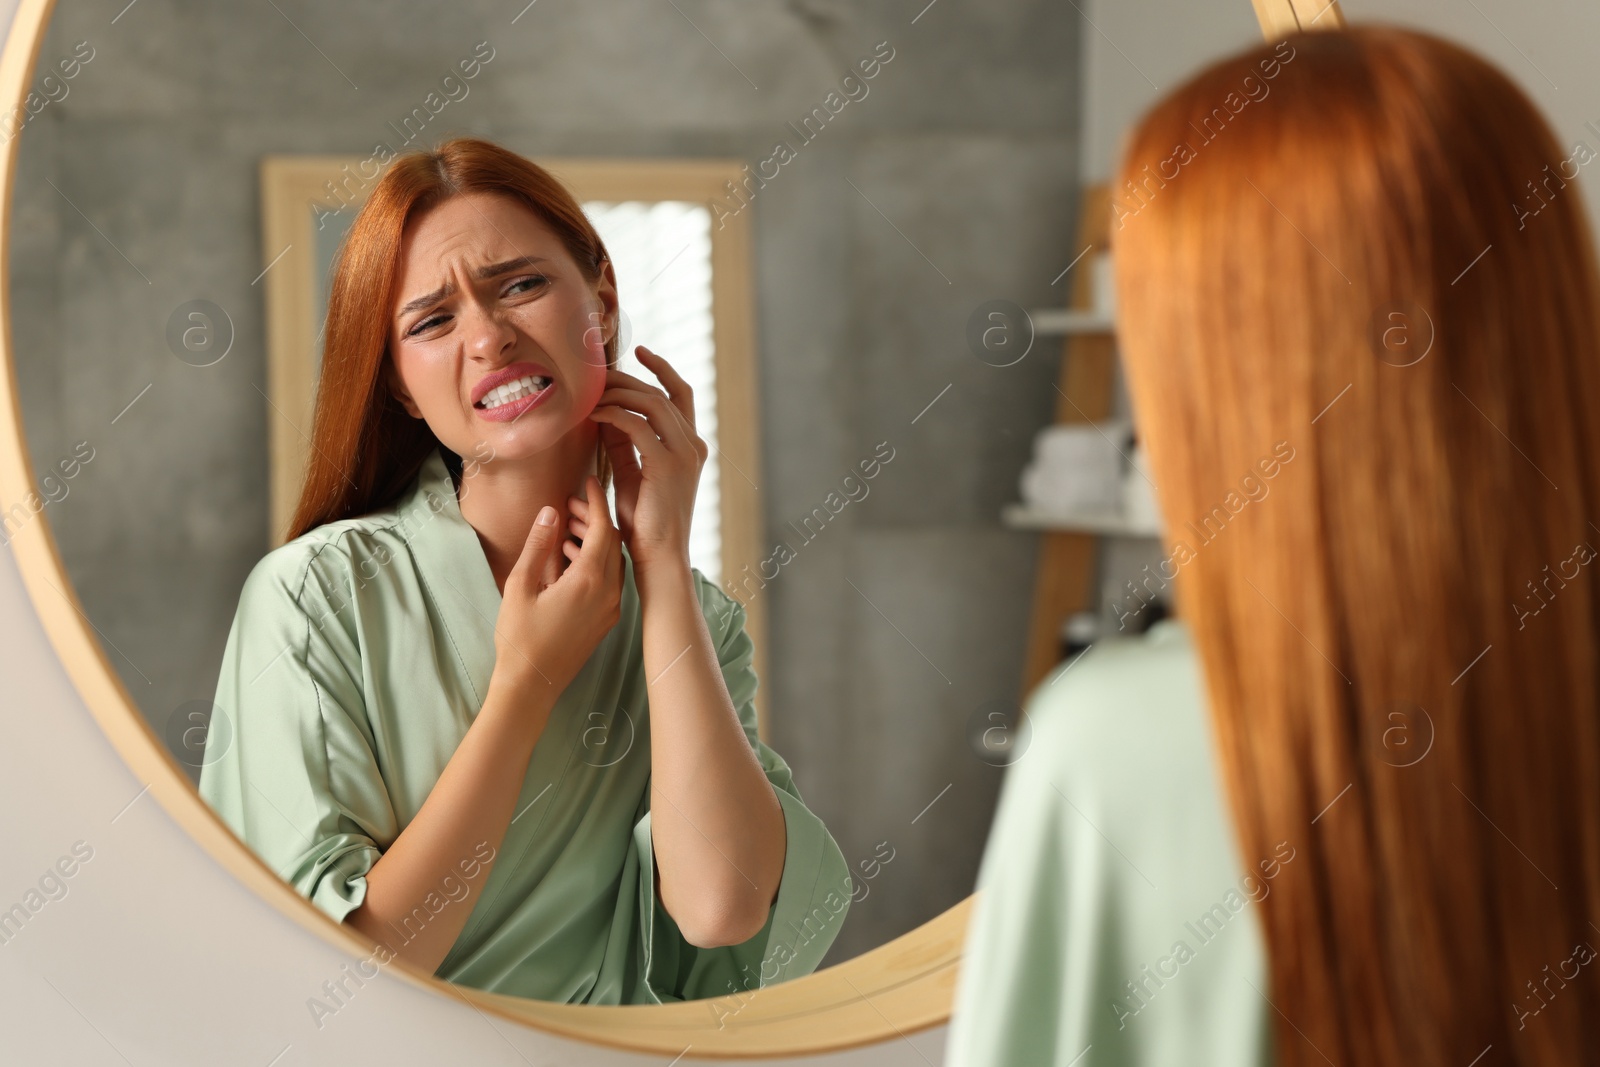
[430, 321]
[526, 285]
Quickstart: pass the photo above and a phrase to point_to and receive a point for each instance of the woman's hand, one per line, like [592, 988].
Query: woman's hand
[549, 624]
[551, 619]
[655, 491]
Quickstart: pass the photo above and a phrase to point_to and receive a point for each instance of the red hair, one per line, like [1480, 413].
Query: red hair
[365, 447]
[1386, 173]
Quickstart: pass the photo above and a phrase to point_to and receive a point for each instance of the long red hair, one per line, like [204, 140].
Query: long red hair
[365, 447]
[1420, 572]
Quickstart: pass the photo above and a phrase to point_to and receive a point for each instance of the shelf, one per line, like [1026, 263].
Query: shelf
[1111, 524]
[1057, 322]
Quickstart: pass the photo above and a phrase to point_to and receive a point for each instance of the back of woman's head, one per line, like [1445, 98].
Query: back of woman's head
[1357, 305]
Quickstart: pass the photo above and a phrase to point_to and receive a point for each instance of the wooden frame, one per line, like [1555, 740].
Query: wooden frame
[890, 992]
[290, 184]
[1281, 17]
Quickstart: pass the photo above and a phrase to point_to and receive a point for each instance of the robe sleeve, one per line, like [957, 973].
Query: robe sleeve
[813, 894]
[296, 777]
[1018, 962]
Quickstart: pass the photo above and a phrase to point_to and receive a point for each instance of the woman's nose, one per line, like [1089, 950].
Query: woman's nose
[488, 333]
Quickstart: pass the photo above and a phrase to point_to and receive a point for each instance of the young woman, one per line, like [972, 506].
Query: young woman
[510, 741]
[1357, 301]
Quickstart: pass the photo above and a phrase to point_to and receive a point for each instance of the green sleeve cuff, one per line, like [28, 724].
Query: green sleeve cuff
[813, 898]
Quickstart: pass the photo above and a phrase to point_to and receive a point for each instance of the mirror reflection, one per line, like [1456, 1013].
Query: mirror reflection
[787, 281]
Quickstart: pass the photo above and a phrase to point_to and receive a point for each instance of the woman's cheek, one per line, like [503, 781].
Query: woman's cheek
[590, 383]
[434, 388]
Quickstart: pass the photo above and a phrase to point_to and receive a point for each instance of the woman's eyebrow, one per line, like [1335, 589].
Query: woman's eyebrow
[482, 273]
[505, 266]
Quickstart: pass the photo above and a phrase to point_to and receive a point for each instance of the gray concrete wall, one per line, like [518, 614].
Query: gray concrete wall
[951, 183]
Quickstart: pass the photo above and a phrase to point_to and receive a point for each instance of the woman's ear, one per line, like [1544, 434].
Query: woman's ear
[397, 389]
[606, 291]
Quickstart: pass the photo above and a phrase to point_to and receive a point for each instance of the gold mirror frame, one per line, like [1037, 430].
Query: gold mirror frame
[892, 991]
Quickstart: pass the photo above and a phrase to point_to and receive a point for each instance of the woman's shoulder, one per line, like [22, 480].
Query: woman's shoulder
[1127, 713]
[1121, 684]
[324, 559]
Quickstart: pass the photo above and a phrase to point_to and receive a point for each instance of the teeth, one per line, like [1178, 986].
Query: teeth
[505, 394]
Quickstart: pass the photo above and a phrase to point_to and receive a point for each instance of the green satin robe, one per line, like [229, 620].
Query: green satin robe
[1116, 925]
[358, 658]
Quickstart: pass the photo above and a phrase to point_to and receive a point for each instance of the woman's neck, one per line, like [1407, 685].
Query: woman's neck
[500, 499]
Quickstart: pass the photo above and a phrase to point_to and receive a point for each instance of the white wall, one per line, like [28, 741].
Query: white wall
[1135, 50]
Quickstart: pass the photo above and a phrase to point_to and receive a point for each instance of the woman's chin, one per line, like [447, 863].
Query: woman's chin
[525, 438]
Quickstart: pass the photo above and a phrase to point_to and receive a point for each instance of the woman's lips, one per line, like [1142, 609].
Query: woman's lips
[516, 408]
[504, 375]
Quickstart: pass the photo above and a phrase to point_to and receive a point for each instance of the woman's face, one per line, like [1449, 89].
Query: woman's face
[496, 338]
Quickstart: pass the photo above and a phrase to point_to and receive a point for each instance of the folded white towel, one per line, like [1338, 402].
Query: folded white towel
[1077, 467]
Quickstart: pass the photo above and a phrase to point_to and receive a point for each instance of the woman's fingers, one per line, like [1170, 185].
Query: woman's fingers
[538, 562]
[670, 427]
[667, 421]
[639, 432]
[677, 390]
[600, 537]
[621, 378]
[642, 435]
[619, 449]
[680, 391]
[550, 569]
[578, 511]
